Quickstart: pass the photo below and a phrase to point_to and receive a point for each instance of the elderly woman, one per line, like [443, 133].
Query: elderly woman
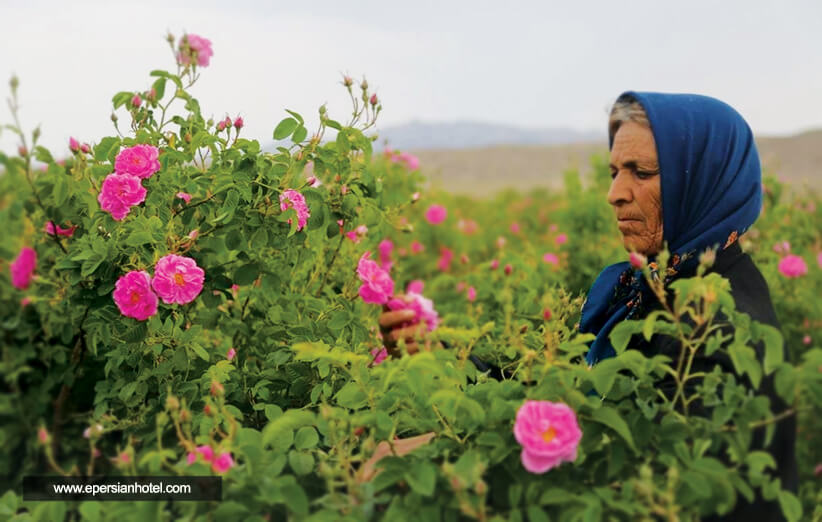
[685, 174]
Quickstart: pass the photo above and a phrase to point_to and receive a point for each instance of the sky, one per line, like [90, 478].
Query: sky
[532, 64]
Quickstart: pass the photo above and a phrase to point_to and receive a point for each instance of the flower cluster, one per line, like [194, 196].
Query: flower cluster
[293, 199]
[176, 279]
[22, 268]
[123, 189]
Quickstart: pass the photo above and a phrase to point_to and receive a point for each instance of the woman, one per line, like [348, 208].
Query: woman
[685, 173]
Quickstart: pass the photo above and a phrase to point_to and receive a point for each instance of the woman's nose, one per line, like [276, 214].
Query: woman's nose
[620, 191]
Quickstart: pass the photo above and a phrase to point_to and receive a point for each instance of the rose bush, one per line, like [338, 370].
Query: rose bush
[207, 315]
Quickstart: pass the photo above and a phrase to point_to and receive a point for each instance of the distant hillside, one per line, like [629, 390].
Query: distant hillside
[463, 135]
[796, 159]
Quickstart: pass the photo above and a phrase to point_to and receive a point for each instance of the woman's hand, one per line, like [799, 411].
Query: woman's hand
[391, 322]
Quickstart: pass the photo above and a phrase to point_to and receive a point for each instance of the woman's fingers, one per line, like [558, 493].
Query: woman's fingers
[408, 333]
[389, 319]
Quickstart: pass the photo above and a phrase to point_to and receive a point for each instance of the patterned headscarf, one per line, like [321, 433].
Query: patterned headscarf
[711, 193]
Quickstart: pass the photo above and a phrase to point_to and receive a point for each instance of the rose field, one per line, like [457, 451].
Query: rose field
[174, 300]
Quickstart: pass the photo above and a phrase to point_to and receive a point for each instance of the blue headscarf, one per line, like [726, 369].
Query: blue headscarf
[711, 193]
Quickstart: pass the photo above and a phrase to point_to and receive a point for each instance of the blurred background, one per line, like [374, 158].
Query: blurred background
[486, 95]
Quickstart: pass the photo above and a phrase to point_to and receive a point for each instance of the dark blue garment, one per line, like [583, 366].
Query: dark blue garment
[711, 193]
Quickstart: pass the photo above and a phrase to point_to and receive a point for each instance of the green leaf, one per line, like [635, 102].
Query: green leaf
[90, 510]
[299, 134]
[104, 149]
[604, 373]
[422, 477]
[306, 438]
[285, 128]
[611, 418]
[791, 507]
[351, 396]
[302, 463]
[774, 349]
[622, 333]
[296, 116]
[199, 351]
[60, 191]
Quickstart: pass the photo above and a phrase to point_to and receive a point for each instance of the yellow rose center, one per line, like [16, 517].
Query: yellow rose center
[549, 434]
[178, 278]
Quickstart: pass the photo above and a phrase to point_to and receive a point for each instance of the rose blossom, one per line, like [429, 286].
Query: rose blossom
[139, 160]
[446, 255]
[546, 314]
[793, 266]
[494, 264]
[357, 234]
[222, 463]
[436, 214]
[119, 193]
[377, 286]
[416, 286]
[385, 248]
[53, 229]
[74, 145]
[177, 279]
[514, 228]
[22, 268]
[472, 293]
[549, 435]
[550, 258]
[417, 247]
[379, 355]
[194, 46]
[230, 354]
[185, 196]
[293, 199]
[561, 239]
[133, 295]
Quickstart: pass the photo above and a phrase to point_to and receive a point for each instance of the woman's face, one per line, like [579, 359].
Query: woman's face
[636, 193]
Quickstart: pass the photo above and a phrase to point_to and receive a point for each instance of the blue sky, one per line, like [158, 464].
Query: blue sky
[532, 64]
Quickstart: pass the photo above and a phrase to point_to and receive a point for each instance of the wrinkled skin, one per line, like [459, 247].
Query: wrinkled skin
[636, 191]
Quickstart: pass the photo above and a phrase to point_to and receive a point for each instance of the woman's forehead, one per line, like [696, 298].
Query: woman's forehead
[633, 143]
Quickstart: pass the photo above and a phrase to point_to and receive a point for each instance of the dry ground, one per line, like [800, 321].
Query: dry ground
[480, 172]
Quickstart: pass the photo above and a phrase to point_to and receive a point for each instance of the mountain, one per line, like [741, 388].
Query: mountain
[418, 135]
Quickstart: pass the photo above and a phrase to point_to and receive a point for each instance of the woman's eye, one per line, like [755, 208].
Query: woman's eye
[645, 175]
[613, 175]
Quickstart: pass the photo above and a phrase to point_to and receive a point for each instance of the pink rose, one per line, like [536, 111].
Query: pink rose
[43, 436]
[293, 199]
[494, 264]
[177, 279]
[411, 162]
[807, 340]
[136, 101]
[74, 145]
[119, 193]
[782, 248]
[22, 268]
[377, 286]
[185, 196]
[515, 228]
[238, 123]
[548, 433]
[191, 458]
[385, 248]
[793, 266]
[423, 309]
[230, 354]
[222, 463]
[206, 452]
[550, 258]
[436, 214]
[133, 295]
[379, 355]
[417, 247]
[467, 226]
[508, 269]
[561, 239]
[196, 48]
[139, 160]
[53, 229]
[24, 302]
[546, 314]
[819, 259]
[416, 286]
[472, 293]
[357, 234]
[446, 255]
